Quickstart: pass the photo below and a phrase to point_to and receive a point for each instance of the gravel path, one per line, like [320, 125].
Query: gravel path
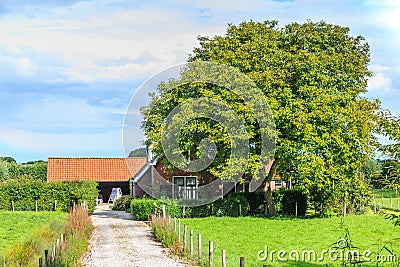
[119, 241]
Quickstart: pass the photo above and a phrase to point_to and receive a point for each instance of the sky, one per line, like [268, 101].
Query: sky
[69, 68]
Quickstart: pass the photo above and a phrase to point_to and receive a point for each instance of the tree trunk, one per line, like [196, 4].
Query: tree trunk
[269, 201]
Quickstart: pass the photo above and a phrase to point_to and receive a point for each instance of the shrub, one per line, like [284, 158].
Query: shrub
[256, 200]
[142, 208]
[291, 198]
[123, 203]
[234, 205]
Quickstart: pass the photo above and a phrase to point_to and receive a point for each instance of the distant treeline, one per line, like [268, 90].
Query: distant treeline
[10, 169]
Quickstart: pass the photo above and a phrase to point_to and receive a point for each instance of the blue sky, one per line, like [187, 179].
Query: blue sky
[68, 69]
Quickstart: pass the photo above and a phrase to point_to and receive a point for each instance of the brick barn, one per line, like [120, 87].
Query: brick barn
[107, 172]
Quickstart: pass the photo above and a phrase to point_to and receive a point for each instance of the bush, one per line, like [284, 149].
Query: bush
[291, 198]
[234, 205]
[255, 199]
[123, 203]
[142, 208]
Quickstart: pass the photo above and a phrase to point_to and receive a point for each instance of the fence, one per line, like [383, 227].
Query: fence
[188, 246]
[386, 203]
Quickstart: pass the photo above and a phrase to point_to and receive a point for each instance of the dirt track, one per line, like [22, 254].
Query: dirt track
[119, 241]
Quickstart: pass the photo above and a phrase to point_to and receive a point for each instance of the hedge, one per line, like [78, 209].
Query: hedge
[25, 192]
[293, 199]
[234, 205]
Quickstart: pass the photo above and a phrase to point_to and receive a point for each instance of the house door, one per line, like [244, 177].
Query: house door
[185, 187]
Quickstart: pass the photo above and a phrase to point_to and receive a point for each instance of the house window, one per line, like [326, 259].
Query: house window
[185, 187]
[278, 183]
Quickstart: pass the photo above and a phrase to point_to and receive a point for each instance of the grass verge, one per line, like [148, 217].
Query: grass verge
[24, 235]
[246, 236]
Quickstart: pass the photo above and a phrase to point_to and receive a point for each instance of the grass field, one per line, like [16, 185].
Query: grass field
[18, 225]
[246, 236]
[385, 193]
[385, 203]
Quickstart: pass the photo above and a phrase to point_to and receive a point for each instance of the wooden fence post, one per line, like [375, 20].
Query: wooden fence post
[296, 210]
[174, 224]
[240, 210]
[199, 252]
[241, 261]
[46, 257]
[183, 212]
[53, 254]
[12, 205]
[179, 231]
[36, 207]
[184, 237]
[163, 211]
[223, 258]
[55, 205]
[191, 242]
[210, 253]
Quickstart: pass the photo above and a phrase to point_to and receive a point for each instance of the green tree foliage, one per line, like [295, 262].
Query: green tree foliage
[3, 171]
[390, 127]
[36, 170]
[371, 171]
[8, 159]
[139, 152]
[314, 76]
[390, 177]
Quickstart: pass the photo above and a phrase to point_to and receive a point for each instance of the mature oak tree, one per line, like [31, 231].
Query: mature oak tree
[314, 75]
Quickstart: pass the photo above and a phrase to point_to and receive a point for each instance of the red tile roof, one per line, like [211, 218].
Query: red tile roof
[93, 169]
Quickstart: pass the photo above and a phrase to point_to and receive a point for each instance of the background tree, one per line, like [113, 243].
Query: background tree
[139, 152]
[371, 170]
[8, 159]
[390, 177]
[3, 170]
[314, 76]
[37, 170]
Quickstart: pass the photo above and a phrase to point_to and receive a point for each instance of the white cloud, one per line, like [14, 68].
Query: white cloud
[99, 44]
[378, 68]
[60, 143]
[379, 82]
[51, 113]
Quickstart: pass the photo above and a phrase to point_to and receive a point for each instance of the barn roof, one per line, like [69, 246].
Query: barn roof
[93, 169]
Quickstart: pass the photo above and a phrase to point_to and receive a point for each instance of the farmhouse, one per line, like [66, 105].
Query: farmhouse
[134, 176]
[108, 172]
